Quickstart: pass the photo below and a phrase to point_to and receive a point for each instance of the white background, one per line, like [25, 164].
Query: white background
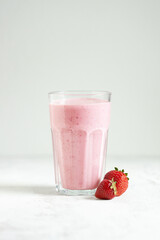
[79, 45]
[98, 45]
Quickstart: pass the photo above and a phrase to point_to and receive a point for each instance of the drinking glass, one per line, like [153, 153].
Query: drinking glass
[79, 126]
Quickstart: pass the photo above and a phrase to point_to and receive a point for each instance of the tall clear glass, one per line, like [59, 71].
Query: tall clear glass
[79, 127]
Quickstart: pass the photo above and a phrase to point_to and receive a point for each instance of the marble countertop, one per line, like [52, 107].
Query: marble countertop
[30, 208]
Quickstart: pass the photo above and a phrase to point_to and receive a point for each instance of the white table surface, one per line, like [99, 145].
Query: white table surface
[30, 208]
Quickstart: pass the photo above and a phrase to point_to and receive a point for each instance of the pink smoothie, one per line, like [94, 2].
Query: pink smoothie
[79, 130]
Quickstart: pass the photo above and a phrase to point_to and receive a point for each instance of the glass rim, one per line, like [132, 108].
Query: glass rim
[80, 92]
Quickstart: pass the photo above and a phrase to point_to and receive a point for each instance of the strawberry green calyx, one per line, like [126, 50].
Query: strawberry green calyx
[122, 172]
[113, 186]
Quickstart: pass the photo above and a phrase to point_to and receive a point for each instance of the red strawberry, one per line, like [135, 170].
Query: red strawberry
[106, 189]
[120, 178]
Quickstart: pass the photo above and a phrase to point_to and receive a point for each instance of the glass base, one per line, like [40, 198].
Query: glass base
[75, 192]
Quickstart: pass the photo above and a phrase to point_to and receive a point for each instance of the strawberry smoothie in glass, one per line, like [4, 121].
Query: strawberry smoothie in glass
[79, 126]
